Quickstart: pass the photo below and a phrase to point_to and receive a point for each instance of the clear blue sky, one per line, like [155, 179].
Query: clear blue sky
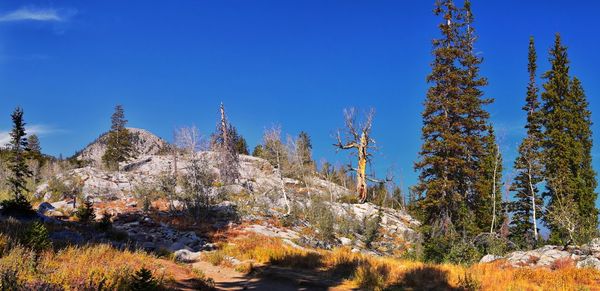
[296, 63]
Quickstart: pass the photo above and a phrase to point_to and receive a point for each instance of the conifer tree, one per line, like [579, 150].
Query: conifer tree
[18, 147]
[526, 208]
[571, 213]
[487, 203]
[119, 145]
[304, 147]
[458, 143]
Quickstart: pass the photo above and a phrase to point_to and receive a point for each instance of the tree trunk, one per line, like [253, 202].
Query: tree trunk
[361, 177]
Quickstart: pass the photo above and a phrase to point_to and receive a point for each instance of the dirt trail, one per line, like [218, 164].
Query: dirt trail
[274, 279]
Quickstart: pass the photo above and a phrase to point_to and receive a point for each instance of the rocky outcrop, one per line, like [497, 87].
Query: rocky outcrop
[549, 256]
[144, 143]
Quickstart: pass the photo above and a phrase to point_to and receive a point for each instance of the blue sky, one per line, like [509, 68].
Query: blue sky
[295, 63]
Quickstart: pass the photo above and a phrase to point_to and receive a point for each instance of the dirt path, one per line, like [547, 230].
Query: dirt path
[274, 280]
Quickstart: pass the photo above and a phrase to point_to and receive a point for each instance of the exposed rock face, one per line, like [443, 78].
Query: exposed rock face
[586, 256]
[144, 142]
[259, 186]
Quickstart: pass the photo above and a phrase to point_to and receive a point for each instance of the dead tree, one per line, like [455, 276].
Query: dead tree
[357, 137]
[275, 153]
[223, 143]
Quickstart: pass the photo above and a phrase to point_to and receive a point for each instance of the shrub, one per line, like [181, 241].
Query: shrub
[371, 277]
[105, 223]
[215, 258]
[17, 208]
[371, 229]
[143, 281]
[36, 237]
[85, 213]
[322, 218]
[463, 253]
[469, 283]
[9, 280]
[57, 189]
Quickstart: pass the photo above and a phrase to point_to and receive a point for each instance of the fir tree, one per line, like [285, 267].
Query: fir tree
[119, 146]
[304, 147]
[457, 140]
[18, 147]
[487, 203]
[526, 208]
[572, 214]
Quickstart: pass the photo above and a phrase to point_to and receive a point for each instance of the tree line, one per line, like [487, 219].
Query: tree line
[460, 164]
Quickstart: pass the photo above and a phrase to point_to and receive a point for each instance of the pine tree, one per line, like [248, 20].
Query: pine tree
[457, 141]
[585, 175]
[487, 203]
[526, 208]
[304, 146]
[571, 215]
[441, 152]
[119, 145]
[18, 147]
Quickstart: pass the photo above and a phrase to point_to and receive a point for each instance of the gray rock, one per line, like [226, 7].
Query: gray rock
[489, 259]
[44, 207]
[178, 246]
[589, 262]
[345, 241]
[185, 256]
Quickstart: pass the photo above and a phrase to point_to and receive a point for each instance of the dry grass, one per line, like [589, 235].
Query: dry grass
[376, 273]
[88, 267]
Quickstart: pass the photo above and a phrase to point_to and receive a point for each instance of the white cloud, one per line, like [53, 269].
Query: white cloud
[37, 129]
[37, 14]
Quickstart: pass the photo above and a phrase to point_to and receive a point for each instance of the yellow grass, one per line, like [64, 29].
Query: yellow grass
[377, 273]
[76, 268]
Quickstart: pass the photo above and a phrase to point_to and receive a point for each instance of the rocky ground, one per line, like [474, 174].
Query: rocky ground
[549, 256]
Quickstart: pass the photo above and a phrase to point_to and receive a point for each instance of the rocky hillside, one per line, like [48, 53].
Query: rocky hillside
[145, 143]
[318, 219]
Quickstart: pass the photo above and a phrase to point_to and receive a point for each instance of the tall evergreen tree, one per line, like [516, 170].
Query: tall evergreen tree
[18, 205]
[456, 131]
[119, 145]
[304, 146]
[526, 208]
[572, 214]
[487, 201]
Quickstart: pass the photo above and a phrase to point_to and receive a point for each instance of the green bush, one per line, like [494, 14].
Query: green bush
[85, 213]
[36, 237]
[144, 281]
[321, 216]
[371, 229]
[461, 252]
[17, 208]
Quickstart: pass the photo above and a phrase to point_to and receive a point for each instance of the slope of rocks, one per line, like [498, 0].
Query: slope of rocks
[144, 143]
[551, 256]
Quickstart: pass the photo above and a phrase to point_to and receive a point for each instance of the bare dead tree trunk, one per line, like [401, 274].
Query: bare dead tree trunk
[533, 206]
[224, 125]
[496, 158]
[285, 198]
[358, 139]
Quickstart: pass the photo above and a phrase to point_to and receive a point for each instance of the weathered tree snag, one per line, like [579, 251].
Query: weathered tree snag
[361, 142]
